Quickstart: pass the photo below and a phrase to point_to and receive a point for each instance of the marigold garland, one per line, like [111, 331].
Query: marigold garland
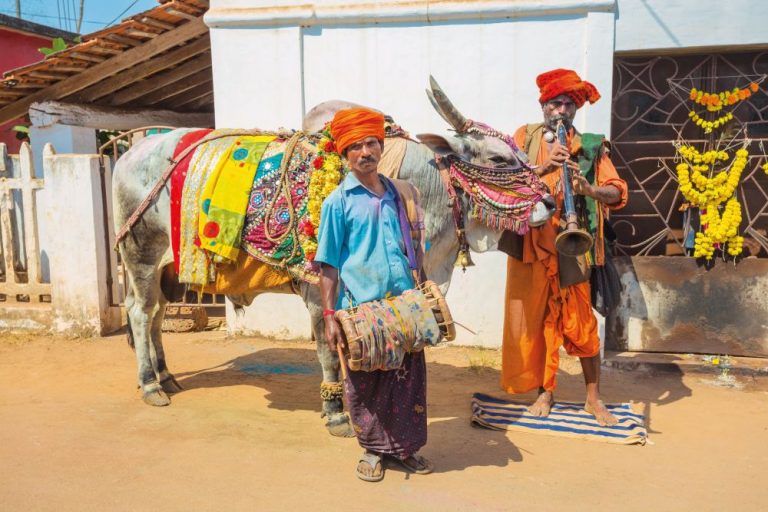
[708, 193]
[716, 101]
[706, 182]
[708, 126]
[326, 175]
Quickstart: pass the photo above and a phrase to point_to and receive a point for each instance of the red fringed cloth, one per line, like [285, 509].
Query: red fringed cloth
[177, 188]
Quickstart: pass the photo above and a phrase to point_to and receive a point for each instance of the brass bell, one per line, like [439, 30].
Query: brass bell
[464, 259]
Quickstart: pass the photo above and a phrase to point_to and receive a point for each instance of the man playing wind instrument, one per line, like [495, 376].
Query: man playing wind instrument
[548, 303]
[365, 256]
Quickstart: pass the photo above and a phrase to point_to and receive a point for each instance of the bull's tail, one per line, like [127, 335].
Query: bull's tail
[129, 331]
[127, 304]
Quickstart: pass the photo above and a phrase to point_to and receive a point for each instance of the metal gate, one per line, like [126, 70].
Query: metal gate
[110, 151]
[648, 116]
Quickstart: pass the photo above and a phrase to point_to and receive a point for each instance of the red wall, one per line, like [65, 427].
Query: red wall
[18, 50]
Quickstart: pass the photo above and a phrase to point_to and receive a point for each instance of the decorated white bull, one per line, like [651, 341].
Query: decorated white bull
[459, 178]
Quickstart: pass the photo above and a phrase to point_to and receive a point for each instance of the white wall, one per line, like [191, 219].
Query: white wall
[272, 61]
[669, 24]
[81, 300]
[67, 139]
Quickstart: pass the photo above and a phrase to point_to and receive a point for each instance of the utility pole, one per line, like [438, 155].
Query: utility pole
[18, 8]
[79, 18]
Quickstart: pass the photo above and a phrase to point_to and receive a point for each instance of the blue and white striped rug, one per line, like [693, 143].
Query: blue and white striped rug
[568, 419]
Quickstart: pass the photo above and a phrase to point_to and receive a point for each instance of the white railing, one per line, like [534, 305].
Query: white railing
[20, 249]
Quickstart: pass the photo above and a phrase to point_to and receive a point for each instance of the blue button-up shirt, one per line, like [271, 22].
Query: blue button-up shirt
[360, 235]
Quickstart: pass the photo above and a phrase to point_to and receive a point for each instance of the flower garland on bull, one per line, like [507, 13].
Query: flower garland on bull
[327, 173]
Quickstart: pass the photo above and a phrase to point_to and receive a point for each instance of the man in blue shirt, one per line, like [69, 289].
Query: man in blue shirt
[364, 256]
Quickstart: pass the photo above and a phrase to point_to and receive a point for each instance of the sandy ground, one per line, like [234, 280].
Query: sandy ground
[246, 434]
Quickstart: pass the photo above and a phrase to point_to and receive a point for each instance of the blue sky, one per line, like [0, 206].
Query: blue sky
[63, 13]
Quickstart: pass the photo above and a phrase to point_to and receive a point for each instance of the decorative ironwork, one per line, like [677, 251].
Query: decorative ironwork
[649, 116]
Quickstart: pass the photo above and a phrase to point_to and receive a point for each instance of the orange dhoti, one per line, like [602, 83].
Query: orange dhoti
[541, 317]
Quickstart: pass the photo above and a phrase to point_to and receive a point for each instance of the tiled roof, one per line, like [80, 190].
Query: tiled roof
[159, 58]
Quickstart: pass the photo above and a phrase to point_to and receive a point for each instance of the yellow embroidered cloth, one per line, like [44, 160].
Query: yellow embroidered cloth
[224, 199]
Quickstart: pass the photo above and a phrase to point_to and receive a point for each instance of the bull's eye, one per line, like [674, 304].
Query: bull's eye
[498, 161]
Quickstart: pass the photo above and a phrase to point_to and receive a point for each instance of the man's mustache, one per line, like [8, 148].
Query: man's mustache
[368, 159]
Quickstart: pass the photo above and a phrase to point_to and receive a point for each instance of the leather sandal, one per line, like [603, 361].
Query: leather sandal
[414, 464]
[373, 460]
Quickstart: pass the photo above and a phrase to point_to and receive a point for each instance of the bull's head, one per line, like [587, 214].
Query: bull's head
[482, 147]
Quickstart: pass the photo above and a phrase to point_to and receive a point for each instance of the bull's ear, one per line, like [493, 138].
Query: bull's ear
[441, 145]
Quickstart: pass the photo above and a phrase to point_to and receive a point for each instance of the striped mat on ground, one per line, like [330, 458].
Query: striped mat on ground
[566, 419]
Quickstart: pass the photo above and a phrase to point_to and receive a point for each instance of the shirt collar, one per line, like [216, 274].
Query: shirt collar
[351, 182]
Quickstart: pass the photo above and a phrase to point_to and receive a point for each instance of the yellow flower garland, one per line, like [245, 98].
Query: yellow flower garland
[708, 126]
[326, 175]
[708, 193]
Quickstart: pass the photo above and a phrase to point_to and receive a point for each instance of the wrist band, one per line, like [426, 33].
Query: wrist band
[328, 312]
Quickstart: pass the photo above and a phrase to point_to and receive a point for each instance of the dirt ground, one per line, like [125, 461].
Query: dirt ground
[246, 434]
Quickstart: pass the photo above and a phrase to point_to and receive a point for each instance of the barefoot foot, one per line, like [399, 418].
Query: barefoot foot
[597, 409]
[542, 405]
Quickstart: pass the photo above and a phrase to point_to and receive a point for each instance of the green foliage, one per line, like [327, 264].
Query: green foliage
[57, 45]
[22, 131]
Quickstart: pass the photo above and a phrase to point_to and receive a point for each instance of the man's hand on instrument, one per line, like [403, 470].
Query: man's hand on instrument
[579, 183]
[557, 155]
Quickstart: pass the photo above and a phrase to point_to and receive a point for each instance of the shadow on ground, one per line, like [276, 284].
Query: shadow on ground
[288, 373]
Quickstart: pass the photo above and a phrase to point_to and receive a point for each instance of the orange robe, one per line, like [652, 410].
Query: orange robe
[540, 317]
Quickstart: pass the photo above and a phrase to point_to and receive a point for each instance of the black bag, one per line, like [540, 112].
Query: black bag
[605, 280]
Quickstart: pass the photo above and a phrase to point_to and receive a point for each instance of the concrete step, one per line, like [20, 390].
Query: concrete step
[693, 363]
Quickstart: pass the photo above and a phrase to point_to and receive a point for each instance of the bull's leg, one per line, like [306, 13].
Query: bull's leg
[157, 354]
[143, 315]
[331, 390]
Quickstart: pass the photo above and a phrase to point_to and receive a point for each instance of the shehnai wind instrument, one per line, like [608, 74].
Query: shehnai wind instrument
[572, 240]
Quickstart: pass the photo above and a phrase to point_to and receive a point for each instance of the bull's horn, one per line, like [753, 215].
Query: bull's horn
[435, 105]
[445, 108]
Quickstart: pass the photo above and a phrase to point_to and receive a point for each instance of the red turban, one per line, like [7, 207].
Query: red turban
[354, 124]
[565, 81]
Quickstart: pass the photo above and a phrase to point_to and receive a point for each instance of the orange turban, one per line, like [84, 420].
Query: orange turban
[565, 81]
[354, 124]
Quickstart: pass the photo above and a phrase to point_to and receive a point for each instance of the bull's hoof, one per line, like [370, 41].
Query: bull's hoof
[158, 398]
[170, 385]
[338, 425]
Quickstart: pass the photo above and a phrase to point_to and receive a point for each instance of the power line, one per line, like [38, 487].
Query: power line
[32, 14]
[121, 14]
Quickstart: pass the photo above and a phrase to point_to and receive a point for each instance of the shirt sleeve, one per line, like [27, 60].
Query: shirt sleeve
[330, 237]
[607, 175]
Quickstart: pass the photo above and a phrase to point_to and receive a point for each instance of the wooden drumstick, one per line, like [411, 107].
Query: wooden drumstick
[342, 361]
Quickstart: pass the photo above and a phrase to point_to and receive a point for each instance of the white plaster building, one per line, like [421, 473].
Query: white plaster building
[274, 60]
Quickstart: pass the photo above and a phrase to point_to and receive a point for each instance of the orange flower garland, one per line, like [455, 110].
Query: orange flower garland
[716, 101]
